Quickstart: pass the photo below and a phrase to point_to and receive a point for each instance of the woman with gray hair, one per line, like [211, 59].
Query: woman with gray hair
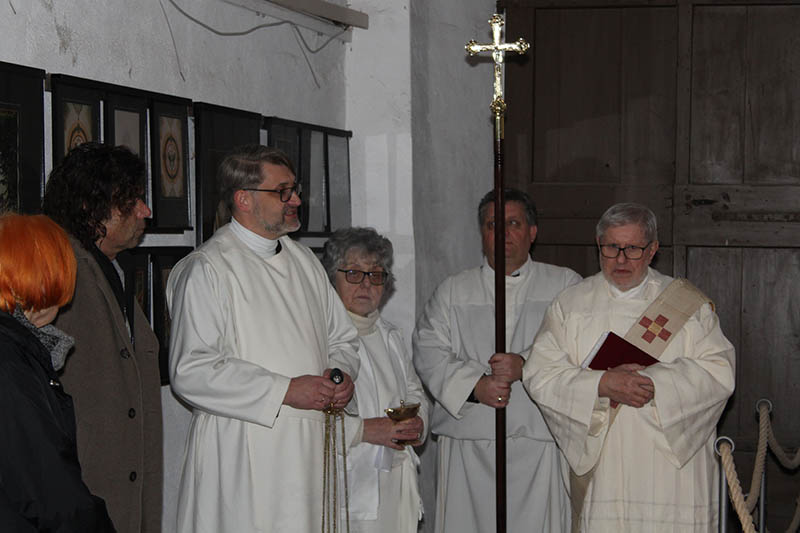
[382, 467]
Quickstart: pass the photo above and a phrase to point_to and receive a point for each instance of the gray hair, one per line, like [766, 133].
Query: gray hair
[241, 169]
[510, 195]
[366, 241]
[628, 213]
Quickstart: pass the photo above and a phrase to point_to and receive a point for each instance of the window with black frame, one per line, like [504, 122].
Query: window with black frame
[322, 165]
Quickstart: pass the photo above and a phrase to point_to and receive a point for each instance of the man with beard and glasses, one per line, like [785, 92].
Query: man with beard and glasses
[96, 194]
[256, 328]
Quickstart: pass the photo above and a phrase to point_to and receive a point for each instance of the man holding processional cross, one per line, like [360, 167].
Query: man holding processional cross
[474, 383]
[469, 381]
[639, 440]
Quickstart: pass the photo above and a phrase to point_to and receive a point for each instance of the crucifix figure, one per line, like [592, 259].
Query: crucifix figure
[498, 107]
[498, 50]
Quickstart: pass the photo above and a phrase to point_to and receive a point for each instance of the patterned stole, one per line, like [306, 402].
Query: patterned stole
[652, 332]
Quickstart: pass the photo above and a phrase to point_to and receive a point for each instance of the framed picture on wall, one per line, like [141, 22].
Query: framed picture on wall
[322, 166]
[126, 122]
[136, 264]
[76, 113]
[170, 164]
[163, 260]
[21, 138]
[338, 166]
[9, 156]
[285, 135]
[217, 130]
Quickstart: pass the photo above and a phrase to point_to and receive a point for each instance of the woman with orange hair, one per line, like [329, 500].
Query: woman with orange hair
[40, 479]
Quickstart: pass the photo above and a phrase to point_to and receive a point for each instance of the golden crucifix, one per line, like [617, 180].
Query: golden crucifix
[498, 107]
[498, 49]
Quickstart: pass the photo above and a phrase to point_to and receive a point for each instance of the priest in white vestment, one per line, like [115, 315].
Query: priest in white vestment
[652, 467]
[382, 465]
[256, 328]
[454, 356]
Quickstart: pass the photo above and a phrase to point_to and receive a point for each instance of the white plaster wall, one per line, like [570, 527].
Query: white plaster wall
[129, 43]
[452, 146]
[452, 136]
[378, 73]
[423, 138]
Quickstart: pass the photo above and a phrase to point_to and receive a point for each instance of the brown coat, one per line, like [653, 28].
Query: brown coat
[117, 395]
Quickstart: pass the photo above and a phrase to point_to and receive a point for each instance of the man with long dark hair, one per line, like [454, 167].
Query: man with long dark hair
[96, 195]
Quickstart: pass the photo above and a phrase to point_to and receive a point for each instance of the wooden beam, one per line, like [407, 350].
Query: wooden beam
[327, 10]
[323, 26]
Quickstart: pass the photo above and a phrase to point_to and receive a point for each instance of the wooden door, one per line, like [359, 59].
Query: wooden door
[693, 110]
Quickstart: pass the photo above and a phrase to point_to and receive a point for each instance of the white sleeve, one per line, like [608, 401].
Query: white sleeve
[414, 391]
[448, 378]
[566, 394]
[203, 369]
[342, 335]
[691, 391]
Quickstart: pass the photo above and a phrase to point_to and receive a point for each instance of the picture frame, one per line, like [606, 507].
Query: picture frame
[217, 130]
[321, 159]
[9, 156]
[21, 138]
[170, 166]
[137, 266]
[126, 122]
[153, 125]
[76, 113]
[163, 260]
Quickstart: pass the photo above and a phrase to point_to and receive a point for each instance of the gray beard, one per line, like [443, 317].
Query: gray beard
[281, 228]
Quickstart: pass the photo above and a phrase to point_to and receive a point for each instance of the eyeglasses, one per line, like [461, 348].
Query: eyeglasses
[611, 251]
[285, 193]
[357, 276]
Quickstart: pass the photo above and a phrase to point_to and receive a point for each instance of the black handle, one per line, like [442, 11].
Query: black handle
[336, 375]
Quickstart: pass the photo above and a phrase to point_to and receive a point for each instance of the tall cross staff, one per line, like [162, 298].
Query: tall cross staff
[498, 107]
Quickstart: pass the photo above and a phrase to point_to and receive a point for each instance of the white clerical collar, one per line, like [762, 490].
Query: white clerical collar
[632, 293]
[524, 269]
[263, 247]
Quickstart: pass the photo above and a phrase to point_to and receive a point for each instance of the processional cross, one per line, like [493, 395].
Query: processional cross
[498, 48]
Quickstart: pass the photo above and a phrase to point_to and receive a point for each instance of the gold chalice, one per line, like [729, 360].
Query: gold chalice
[404, 412]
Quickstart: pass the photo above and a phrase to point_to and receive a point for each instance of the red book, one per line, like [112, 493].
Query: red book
[612, 350]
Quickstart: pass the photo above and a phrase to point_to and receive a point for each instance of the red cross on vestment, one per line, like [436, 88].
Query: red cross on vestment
[655, 328]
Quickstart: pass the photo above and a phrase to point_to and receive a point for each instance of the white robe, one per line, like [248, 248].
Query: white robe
[242, 327]
[384, 494]
[452, 345]
[656, 468]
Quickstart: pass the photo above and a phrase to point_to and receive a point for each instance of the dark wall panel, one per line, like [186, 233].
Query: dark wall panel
[577, 125]
[718, 95]
[773, 86]
[649, 66]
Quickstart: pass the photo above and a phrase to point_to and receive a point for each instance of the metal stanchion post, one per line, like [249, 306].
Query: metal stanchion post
[762, 500]
[723, 488]
[762, 496]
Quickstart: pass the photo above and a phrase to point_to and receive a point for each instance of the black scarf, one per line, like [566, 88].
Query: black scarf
[112, 276]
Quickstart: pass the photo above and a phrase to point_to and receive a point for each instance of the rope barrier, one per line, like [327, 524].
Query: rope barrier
[735, 488]
[761, 456]
[745, 506]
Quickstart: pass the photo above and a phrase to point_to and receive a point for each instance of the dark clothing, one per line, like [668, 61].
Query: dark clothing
[117, 392]
[40, 479]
